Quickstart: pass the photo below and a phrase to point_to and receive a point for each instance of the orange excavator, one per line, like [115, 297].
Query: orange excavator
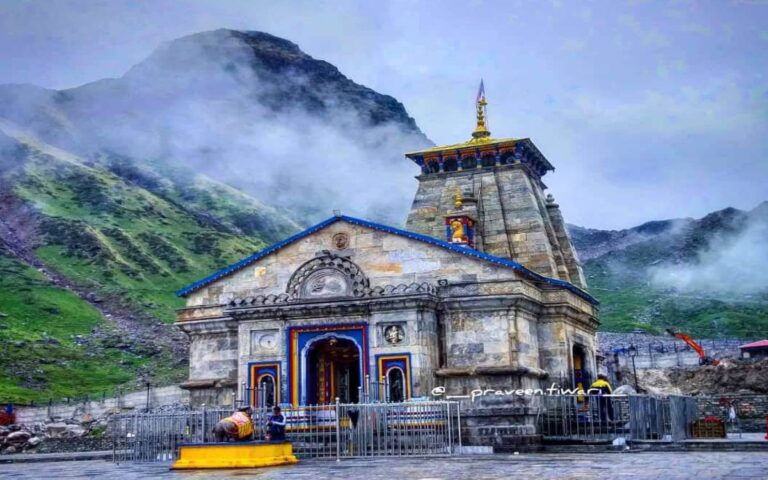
[703, 358]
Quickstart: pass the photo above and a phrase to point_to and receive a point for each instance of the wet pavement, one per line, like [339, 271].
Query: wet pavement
[644, 465]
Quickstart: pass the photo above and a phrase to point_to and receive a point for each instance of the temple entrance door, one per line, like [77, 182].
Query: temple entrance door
[333, 370]
[581, 379]
[396, 385]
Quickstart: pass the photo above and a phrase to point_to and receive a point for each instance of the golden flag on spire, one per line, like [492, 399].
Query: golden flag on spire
[481, 92]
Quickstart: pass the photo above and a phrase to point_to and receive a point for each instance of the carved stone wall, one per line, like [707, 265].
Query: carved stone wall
[513, 219]
[327, 276]
[464, 322]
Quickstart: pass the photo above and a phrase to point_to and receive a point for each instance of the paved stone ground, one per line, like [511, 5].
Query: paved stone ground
[672, 466]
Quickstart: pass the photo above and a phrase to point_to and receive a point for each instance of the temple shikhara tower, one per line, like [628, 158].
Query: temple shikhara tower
[483, 289]
[499, 182]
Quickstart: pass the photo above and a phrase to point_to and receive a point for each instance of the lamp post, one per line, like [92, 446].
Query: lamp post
[632, 350]
[149, 385]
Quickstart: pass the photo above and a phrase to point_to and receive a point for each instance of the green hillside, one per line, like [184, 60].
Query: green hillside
[102, 190]
[628, 304]
[124, 237]
[38, 354]
[620, 269]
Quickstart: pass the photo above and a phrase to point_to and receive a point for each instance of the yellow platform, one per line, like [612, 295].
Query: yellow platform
[234, 455]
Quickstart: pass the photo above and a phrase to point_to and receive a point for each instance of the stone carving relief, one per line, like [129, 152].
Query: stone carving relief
[385, 291]
[264, 340]
[341, 240]
[327, 276]
[367, 292]
[394, 334]
[327, 282]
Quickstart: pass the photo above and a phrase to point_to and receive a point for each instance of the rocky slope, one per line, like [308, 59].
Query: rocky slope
[732, 377]
[706, 276]
[117, 193]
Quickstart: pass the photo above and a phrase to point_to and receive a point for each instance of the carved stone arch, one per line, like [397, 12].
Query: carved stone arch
[327, 276]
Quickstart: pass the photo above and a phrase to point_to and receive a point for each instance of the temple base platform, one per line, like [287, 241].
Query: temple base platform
[234, 455]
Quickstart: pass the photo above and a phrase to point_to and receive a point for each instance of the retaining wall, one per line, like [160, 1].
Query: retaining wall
[158, 397]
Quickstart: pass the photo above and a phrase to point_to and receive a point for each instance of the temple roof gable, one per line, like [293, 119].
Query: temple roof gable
[460, 250]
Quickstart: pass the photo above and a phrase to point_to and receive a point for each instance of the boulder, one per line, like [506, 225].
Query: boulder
[18, 438]
[74, 431]
[34, 441]
[55, 430]
[11, 449]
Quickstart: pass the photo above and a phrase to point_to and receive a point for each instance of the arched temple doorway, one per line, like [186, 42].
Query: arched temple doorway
[396, 385]
[333, 370]
[581, 378]
[267, 390]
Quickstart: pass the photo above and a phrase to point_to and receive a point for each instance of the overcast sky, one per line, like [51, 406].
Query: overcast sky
[648, 110]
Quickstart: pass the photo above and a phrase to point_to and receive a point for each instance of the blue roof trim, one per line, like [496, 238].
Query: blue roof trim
[396, 231]
[252, 258]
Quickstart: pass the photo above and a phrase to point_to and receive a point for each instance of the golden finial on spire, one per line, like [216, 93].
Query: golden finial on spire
[458, 199]
[481, 130]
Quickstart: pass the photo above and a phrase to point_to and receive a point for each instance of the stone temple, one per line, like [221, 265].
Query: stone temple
[483, 289]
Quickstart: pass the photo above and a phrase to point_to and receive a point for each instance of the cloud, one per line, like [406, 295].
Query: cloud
[646, 32]
[574, 45]
[301, 138]
[632, 80]
[693, 110]
[736, 264]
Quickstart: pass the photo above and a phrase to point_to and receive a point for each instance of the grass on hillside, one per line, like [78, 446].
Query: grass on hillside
[122, 240]
[127, 244]
[39, 358]
[629, 302]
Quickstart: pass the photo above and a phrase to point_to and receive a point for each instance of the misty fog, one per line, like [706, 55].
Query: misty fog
[730, 263]
[290, 138]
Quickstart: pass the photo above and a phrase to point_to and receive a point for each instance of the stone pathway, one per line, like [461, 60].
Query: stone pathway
[55, 457]
[656, 465]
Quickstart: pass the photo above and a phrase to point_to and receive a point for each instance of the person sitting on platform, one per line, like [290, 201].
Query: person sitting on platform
[237, 427]
[276, 425]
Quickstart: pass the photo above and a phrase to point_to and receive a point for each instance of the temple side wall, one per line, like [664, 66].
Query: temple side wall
[570, 256]
[213, 356]
[557, 336]
[524, 222]
[513, 219]
[213, 352]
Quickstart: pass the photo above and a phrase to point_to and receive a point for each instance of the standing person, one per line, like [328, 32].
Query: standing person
[8, 417]
[237, 427]
[603, 388]
[276, 425]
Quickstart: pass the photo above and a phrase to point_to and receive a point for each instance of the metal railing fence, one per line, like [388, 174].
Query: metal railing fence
[148, 437]
[371, 391]
[604, 418]
[316, 431]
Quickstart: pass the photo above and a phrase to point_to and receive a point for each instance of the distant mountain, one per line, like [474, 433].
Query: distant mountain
[708, 276]
[116, 193]
[245, 108]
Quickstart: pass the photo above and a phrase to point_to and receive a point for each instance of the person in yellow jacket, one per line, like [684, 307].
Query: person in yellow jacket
[602, 388]
[237, 427]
